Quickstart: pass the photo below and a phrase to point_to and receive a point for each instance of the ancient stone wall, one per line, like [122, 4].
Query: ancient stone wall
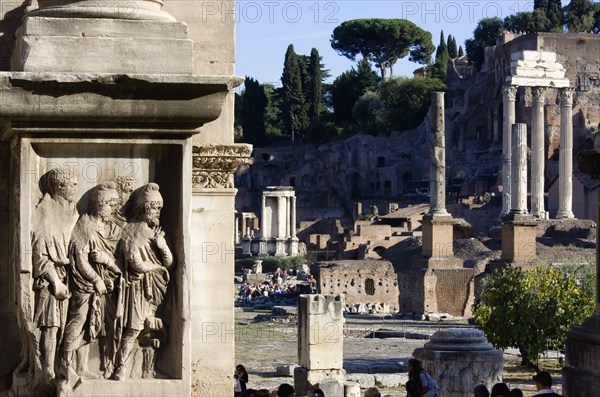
[359, 281]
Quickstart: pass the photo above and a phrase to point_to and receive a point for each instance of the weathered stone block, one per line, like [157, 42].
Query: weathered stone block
[518, 241]
[320, 332]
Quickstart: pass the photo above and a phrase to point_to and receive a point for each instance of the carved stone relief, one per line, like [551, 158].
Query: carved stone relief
[99, 280]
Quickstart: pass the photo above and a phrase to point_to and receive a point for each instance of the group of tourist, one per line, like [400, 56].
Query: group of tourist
[420, 384]
[249, 292]
[99, 278]
[543, 384]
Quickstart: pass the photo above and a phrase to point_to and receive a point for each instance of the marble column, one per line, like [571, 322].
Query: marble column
[293, 216]
[518, 202]
[281, 218]
[437, 168]
[509, 94]
[565, 165]
[288, 215]
[265, 232]
[537, 153]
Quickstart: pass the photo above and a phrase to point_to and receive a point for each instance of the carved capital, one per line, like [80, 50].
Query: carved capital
[213, 165]
[509, 93]
[566, 96]
[538, 93]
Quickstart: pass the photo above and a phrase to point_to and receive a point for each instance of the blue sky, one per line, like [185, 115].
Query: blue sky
[265, 28]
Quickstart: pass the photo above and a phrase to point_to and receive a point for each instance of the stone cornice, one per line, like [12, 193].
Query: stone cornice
[213, 165]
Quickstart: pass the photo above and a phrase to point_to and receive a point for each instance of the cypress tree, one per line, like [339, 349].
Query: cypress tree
[461, 52]
[293, 104]
[315, 91]
[252, 112]
[452, 50]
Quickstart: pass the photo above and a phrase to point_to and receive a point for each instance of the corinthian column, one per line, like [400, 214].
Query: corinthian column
[537, 153]
[509, 94]
[565, 163]
[519, 170]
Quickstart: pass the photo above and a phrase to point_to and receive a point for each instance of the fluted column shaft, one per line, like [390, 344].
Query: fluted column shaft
[519, 170]
[509, 94]
[293, 220]
[565, 163]
[263, 222]
[537, 153]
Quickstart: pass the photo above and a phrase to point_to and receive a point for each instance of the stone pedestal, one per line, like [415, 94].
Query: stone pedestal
[449, 291]
[518, 239]
[437, 250]
[246, 249]
[459, 359]
[320, 342]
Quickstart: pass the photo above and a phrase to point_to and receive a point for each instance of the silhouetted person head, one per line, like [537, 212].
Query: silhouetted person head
[285, 390]
[543, 380]
[500, 390]
[516, 393]
[481, 391]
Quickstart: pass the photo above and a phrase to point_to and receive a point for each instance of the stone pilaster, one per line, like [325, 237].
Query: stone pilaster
[537, 153]
[565, 176]
[509, 95]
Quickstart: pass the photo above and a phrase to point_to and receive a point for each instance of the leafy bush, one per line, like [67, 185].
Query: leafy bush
[271, 263]
[525, 309]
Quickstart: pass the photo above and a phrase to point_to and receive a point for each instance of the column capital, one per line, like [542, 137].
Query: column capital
[214, 165]
[538, 93]
[566, 96]
[509, 92]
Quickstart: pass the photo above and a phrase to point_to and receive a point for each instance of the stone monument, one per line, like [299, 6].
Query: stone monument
[540, 71]
[320, 343]
[278, 223]
[437, 251]
[460, 359]
[98, 93]
[437, 281]
[582, 347]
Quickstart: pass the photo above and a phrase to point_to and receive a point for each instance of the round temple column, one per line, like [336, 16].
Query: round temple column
[537, 153]
[519, 170]
[565, 162]
[509, 94]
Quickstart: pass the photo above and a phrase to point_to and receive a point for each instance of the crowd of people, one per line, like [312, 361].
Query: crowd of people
[279, 284]
[420, 384]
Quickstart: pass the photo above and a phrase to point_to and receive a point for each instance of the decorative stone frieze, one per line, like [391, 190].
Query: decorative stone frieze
[213, 165]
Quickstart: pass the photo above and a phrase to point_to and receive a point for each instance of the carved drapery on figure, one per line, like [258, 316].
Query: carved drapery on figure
[101, 279]
[213, 165]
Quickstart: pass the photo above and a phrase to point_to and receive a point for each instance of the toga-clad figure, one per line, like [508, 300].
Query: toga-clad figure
[146, 258]
[52, 222]
[92, 274]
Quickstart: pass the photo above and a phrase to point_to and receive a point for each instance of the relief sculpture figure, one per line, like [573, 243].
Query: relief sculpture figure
[146, 262]
[52, 222]
[92, 275]
[114, 300]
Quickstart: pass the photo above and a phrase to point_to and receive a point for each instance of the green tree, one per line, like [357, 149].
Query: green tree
[273, 120]
[580, 16]
[452, 50]
[347, 88]
[383, 42]
[525, 309]
[552, 10]
[485, 34]
[252, 113]
[406, 101]
[293, 103]
[461, 52]
[367, 111]
[315, 86]
[440, 66]
[527, 22]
